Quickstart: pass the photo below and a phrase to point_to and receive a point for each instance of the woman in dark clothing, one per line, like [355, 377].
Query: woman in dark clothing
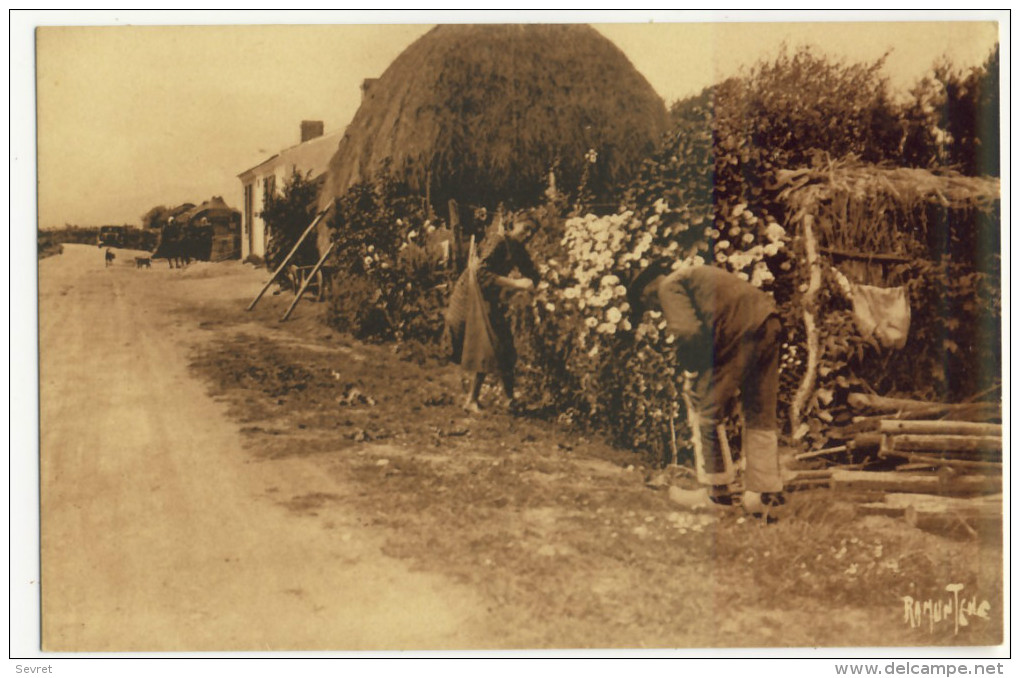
[476, 324]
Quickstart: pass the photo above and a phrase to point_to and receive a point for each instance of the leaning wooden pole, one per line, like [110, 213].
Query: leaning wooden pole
[290, 255]
[811, 329]
[308, 280]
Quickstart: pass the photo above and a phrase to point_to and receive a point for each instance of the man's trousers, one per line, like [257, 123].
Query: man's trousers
[748, 366]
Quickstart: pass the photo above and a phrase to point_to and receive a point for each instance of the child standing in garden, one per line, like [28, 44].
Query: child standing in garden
[728, 332]
[477, 329]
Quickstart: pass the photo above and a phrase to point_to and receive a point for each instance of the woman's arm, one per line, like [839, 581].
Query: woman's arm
[513, 283]
[501, 258]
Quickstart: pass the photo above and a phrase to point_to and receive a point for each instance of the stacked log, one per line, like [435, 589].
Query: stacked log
[937, 465]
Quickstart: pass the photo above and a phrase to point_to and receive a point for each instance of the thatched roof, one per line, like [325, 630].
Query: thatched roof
[214, 208]
[480, 113]
[906, 185]
[889, 209]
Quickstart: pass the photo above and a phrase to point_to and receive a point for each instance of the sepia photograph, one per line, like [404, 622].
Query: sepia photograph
[516, 333]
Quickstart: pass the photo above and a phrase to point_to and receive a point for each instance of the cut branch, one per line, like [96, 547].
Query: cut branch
[810, 304]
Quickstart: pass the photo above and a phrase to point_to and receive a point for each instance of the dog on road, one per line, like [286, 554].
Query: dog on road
[143, 262]
[109, 257]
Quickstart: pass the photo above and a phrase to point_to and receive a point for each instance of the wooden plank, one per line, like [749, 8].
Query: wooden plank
[943, 515]
[947, 443]
[931, 460]
[945, 427]
[286, 260]
[308, 280]
[972, 521]
[928, 500]
[890, 481]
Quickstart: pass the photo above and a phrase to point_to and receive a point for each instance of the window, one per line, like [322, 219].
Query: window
[249, 206]
[268, 187]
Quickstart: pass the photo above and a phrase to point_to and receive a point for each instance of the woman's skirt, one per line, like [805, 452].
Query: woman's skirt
[473, 323]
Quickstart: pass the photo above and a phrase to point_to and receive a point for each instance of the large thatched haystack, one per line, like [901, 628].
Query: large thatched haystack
[481, 112]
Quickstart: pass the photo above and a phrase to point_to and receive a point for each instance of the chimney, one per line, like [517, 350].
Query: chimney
[311, 129]
[366, 85]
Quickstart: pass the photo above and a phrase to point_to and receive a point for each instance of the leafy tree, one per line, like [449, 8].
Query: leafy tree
[157, 217]
[804, 103]
[729, 139]
[953, 119]
[287, 215]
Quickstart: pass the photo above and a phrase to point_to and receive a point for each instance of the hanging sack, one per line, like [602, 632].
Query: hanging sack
[881, 314]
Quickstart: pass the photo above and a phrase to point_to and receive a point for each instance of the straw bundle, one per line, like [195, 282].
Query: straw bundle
[480, 113]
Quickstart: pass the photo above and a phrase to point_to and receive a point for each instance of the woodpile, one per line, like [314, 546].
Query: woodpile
[936, 465]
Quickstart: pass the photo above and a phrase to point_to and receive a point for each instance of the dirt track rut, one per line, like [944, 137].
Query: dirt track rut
[156, 532]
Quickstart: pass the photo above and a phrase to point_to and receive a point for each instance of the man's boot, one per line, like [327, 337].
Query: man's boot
[763, 478]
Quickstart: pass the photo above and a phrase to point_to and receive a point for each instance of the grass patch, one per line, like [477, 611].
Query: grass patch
[550, 525]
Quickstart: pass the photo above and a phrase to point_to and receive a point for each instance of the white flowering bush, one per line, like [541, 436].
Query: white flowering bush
[589, 358]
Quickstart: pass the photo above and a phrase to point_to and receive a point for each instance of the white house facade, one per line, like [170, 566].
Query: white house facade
[268, 177]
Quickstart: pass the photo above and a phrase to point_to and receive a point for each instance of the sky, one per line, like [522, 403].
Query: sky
[161, 113]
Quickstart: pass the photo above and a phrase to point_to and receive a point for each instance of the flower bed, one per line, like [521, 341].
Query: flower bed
[586, 356]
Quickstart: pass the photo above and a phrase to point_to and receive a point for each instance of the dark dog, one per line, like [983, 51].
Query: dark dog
[143, 262]
[109, 257]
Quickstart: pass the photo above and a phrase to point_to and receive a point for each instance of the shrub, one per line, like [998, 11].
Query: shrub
[287, 215]
[393, 288]
[953, 118]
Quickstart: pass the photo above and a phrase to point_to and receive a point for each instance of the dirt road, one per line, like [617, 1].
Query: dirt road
[156, 531]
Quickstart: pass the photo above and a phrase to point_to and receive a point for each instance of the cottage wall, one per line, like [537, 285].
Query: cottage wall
[271, 175]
